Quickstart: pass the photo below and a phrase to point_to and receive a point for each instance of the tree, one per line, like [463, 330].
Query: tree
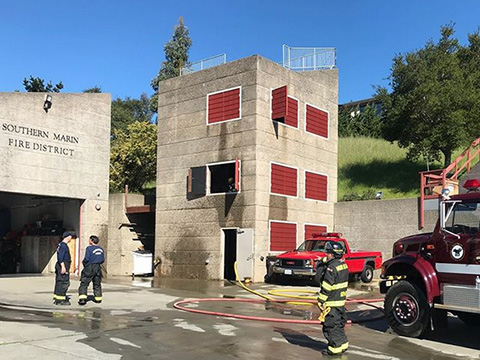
[176, 56]
[355, 122]
[432, 93]
[36, 84]
[93, 90]
[133, 156]
[128, 111]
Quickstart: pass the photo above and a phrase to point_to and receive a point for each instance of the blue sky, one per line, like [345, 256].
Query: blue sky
[118, 45]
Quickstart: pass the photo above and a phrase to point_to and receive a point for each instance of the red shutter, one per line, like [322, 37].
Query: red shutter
[317, 121]
[283, 180]
[224, 106]
[312, 229]
[283, 236]
[316, 186]
[279, 103]
[237, 175]
[292, 113]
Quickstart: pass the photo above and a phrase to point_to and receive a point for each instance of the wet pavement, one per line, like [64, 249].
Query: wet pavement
[138, 321]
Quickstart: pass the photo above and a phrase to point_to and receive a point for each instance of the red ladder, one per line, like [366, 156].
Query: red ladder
[445, 177]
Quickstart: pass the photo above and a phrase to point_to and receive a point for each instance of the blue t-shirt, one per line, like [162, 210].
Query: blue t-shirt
[93, 255]
[63, 253]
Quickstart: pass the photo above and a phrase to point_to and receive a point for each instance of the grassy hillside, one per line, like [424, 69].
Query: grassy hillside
[371, 165]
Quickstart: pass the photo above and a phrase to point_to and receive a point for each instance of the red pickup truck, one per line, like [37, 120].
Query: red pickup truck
[304, 261]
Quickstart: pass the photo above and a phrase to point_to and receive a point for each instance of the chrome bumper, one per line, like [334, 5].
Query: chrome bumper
[294, 271]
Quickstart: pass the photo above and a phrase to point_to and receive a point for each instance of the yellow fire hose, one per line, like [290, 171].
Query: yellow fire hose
[239, 282]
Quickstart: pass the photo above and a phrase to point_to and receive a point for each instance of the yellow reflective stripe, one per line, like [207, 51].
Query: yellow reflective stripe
[59, 297]
[322, 297]
[340, 286]
[343, 294]
[82, 297]
[337, 303]
[327, 286]
[344, 346]
[98, 298]
[342, 267]
[335, 350]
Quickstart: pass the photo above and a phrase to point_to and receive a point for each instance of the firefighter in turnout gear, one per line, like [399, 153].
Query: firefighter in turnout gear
[62, 270]
[332, 297]
[92, 272]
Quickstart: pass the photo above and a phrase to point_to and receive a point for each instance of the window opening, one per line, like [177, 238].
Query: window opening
[222, 178]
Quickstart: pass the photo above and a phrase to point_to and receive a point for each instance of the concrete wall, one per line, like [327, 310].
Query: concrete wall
[377, 224]
[188, 232]
[120, 235]
[63, 152]
[294, 147]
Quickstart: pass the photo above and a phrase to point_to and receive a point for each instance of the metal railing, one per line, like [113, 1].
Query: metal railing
[446, 178]
[309, 58]
[204, 64]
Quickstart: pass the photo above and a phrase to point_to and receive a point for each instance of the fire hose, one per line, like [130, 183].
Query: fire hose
[307, 300]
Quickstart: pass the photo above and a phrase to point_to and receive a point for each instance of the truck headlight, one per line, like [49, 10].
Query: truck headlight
[277, 262]
[308, 264]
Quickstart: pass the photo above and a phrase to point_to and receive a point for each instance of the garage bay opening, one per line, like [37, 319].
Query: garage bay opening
[30, 230]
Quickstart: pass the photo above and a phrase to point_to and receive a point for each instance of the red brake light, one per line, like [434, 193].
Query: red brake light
[472, 184]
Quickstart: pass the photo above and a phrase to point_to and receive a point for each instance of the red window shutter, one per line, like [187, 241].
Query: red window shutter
[317, 121]
[224, 106]
[312, 229]
[283, 236]
[283, 180]
[237, 175]
[316, 186]
[280, 103]
[292, 112]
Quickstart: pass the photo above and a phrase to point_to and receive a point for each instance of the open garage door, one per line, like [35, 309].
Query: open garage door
[30, 230]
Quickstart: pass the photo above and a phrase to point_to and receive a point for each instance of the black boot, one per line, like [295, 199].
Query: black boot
[82, 302]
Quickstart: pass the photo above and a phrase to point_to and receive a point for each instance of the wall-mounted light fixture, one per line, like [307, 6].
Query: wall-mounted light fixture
[48, 103]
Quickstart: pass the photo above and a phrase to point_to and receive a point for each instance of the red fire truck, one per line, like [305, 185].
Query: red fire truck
[304, 261]
[432, 273]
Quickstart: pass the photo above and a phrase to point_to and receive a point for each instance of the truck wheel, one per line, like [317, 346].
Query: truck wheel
[367, 274]
[407, 309]
[271, 279]
[469, 318]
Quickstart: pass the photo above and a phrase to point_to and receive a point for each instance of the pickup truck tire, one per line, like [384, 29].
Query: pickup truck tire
[469, 318]
[367, 274]
[407, 309]
[271, 279]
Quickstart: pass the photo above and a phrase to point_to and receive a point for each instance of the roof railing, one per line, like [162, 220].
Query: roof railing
[309, 58]
[204, 64]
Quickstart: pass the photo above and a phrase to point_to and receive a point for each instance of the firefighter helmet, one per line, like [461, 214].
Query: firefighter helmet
[335, 248]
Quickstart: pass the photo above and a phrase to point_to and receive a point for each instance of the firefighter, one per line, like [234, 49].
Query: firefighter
[62, 269]
[92, 271]
[331, 299]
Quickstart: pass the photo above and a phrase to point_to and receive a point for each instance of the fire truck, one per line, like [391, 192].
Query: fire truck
[432, 273]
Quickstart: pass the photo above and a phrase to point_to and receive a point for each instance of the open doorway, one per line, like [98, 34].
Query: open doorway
[30, 230]
[230, 253]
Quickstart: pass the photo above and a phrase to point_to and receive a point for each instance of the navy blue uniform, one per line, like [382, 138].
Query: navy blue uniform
[92, 272]
[62, 281]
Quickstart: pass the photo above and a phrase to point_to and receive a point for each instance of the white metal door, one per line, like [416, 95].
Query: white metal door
[245, 253]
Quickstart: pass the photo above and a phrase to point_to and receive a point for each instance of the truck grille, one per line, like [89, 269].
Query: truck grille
[292, 263]
[461, 295]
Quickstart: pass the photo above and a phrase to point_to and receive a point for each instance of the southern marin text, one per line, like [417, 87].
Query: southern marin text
[40, 134]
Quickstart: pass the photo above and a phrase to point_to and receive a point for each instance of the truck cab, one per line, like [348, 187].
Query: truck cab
[432, 273]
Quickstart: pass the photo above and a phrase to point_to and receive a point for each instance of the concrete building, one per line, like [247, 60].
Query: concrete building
[247, 166]
[54, 168]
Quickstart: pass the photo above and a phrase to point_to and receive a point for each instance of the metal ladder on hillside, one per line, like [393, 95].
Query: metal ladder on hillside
[432, 182]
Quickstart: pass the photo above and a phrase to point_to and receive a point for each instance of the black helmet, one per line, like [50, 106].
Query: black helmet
[335, 248]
